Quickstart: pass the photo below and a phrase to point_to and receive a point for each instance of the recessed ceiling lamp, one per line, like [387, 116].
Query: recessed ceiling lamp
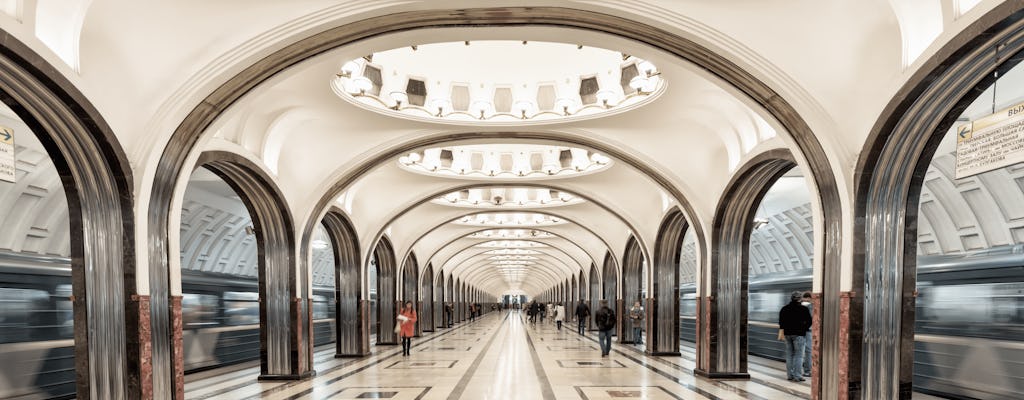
[510, 234]
[504, 161]
[509, 219]
[519, 252]
[510, 257]
[508, 197]
[511, 244]
[513, 262]
[507, 82]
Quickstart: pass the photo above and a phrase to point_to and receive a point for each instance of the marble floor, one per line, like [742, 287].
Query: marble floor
[500, 356]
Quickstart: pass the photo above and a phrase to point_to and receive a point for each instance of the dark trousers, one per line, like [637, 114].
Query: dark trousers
[581, 326]
[406, 345]
[559, 322]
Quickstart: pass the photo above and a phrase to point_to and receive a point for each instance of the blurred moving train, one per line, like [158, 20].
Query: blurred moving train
[220, 321]
[969, 331]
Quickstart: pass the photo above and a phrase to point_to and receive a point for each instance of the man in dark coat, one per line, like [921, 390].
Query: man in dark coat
[794, 322]
[582, 313]
[605, 320]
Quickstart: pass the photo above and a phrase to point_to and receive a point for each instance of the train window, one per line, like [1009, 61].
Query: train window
[241, 308]
[23, 312]
[320, 307]
[199, 310]
[764, 306]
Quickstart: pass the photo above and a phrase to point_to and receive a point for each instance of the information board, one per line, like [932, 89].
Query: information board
[990, 143]
[8, 165]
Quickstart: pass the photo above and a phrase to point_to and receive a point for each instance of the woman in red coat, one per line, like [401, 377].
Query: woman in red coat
[407, 322]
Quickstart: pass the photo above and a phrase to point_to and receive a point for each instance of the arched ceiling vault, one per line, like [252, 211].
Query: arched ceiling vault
[397, 221]
[560, 254]
[444, 233]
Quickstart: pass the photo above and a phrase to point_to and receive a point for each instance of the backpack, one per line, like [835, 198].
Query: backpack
[605, 319]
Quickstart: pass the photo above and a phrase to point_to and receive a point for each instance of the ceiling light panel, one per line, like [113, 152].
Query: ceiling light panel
[508, 198]
[509, 82]
[505, 161]
[524, 219]
[512, 244]
[510, 234]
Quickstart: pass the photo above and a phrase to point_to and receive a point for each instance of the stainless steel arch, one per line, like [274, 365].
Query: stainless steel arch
[351, 319]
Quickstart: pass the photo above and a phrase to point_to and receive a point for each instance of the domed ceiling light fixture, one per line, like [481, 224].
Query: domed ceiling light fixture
[504, 161]
[509, 220]
[508, 82]
[512, 244]
[513, 252]
[507, 198]
[510, 234]
[511, 257]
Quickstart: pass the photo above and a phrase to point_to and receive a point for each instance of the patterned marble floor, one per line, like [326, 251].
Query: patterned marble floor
[500, 356]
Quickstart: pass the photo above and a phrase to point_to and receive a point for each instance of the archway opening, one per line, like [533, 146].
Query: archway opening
[324, 303]
[38, 333]
[220, 275]
[410, 289]
[781, 263]
[595, 294]
[427, 294]
[632, 317]
[351, 312]
[688, 292]
[382, 278]
[969, 253]
[610, 287]
[667, 303]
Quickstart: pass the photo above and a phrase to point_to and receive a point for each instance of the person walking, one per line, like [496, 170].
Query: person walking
[559, 315]
[605, 320]
[794, 322]
[636, 319]
[448, 311]
[407, 323]
[809, 339]
[472, 312]
[582, 313]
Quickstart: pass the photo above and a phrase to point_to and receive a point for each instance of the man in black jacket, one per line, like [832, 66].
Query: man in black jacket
[582, 313]
[605, 320]
[794, 322]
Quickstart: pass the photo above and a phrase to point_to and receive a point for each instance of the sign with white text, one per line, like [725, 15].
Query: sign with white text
[8, 165]
[990, 143]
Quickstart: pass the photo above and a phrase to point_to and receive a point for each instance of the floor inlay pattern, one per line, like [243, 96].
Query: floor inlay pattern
[499, 356]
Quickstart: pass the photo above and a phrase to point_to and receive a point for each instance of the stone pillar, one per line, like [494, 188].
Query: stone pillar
[178, 347]
[139, 347]
[621, 316]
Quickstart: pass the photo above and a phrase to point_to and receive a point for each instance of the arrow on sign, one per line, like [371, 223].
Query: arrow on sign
[963, 132]
[6, 134]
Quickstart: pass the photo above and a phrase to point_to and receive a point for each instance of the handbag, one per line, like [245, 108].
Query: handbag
[398, 327]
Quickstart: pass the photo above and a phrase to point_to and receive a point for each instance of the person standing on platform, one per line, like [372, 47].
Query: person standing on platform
[809, 339]
[636, 318]
[407, 322]
[448, 311]
[605, 320]
[472, 312]
[794, 322]
[559, 315]
[582, 313]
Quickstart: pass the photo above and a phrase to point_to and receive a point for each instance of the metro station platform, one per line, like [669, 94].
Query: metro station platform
[502, 356]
